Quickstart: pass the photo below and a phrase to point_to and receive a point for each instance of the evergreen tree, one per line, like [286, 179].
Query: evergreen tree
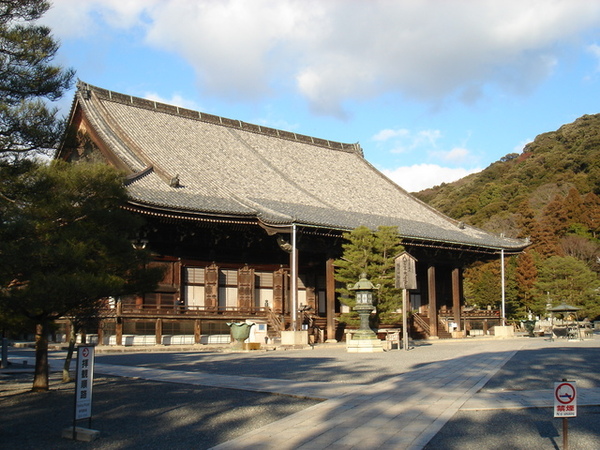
[569, 280]
[372, 253]
[65, 243]
[482, 284]
[28, 79]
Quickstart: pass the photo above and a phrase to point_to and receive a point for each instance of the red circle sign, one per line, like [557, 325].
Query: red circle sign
[565, 393]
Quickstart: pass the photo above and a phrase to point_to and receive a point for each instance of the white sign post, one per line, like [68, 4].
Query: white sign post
[405, 278]
[84, 382]
[565, 406]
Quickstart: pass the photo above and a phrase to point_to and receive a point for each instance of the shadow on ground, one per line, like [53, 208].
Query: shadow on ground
[133, 414]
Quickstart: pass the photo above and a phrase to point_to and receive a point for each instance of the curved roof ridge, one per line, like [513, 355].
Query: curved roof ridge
[217, 120]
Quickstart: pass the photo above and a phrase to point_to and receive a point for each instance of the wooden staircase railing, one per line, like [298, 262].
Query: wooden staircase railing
[422, 323]
[274, 321]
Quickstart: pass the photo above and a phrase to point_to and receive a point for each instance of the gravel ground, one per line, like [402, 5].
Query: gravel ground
[135, 414]
[531, 428]
[139, 414]
[527, 429]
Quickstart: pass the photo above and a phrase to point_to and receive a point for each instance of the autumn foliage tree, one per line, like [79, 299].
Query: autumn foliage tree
[526, 277]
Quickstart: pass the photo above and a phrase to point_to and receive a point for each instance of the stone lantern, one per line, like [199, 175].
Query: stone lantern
[365, 339]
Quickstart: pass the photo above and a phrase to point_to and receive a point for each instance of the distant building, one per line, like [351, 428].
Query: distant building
[229, 204]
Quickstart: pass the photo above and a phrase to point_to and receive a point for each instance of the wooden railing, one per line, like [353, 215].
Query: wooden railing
[191, 310]
[274, 321]
[421, 322]
[472, 314]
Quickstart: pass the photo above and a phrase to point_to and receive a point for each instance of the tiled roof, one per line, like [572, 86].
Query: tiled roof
[191, 162]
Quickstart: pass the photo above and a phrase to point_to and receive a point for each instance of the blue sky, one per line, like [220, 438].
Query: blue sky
[432, 89]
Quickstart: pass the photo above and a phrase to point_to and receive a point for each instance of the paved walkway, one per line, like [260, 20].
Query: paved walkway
[404, 411]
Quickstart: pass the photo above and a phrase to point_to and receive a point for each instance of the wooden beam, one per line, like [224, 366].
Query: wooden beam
[158, 331]
[433, 308]
[197, 330]
[456, 297]
[330, 299]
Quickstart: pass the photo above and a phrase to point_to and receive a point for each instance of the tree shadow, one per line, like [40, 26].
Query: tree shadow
[132, 413]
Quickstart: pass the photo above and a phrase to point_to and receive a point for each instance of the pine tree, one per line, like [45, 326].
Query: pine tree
[372, 253]
[28, 80]
[65, 244]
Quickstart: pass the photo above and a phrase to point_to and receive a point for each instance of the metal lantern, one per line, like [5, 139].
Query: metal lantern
[364, 306]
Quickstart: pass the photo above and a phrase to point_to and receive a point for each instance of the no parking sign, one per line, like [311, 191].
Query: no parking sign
[565, 399]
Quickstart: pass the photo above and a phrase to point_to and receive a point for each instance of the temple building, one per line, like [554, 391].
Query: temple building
[248, 220]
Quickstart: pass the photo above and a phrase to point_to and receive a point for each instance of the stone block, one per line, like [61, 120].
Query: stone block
[80, 434]
[294, 337]
[504, 331]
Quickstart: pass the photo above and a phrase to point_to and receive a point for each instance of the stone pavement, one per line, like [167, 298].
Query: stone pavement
[403, 411]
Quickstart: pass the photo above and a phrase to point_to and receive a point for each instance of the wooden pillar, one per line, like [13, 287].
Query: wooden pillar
[330, 299]
[456, 298]
[197, 331]
[433, 308]
[158, 331]
[119, 324]
[100, 332]
[119, 331]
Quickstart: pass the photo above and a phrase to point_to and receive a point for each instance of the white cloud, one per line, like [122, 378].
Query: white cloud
[387, 134]
[176, 100]
[417, 177]
[456, 155]
[403, 140]
[77, 18]
[594, 49]
[337, 50]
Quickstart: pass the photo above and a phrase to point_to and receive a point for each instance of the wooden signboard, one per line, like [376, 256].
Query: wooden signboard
[406, 271]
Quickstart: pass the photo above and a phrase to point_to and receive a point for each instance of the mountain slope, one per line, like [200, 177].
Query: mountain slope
[554, 163]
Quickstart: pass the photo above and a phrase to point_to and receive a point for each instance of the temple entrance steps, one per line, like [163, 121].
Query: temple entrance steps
[420, 328]
[275, 324]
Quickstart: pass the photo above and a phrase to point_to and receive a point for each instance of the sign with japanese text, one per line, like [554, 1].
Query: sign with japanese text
[565, 399]
[406, 271]
[84, 382]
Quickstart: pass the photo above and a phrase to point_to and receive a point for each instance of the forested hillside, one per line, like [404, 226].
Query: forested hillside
[549, 194]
